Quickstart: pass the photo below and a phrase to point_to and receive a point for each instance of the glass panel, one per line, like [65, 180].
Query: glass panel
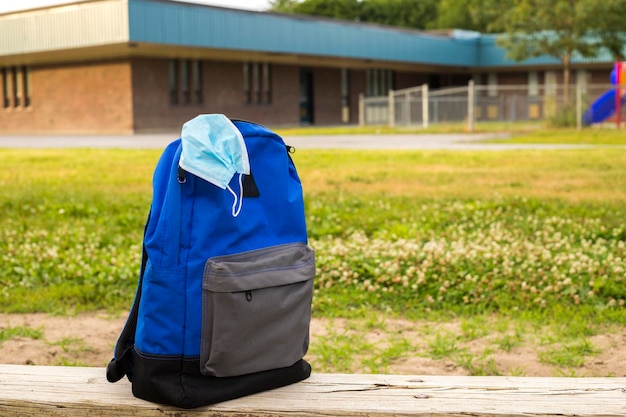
[492, 84]
[255, 83]
[533, 84]
[246, 83]
[184, 82]
[6, 101]
[173, 81]
[17, 94]
[197, 81]
[267, 86]
[26, 86]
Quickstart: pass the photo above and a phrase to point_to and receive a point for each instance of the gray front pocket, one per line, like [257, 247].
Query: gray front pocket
[256, 309]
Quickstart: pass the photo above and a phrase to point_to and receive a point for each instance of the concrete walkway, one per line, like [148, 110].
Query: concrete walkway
[415, 141]
[400, 141]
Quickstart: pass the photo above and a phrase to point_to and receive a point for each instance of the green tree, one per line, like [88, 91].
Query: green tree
[339, 9]
[415, 14]
[477, 15]
[563, 28]
[283, 6]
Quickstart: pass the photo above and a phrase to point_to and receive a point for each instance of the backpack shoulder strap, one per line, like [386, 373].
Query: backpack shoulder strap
[122, 362]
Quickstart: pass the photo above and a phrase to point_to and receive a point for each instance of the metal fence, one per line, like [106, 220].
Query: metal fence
[420, 107]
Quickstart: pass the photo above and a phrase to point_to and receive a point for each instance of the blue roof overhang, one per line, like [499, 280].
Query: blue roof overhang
[190, 25]
[492, 56]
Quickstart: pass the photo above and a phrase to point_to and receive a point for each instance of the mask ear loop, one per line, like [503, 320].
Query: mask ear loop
[236, 209]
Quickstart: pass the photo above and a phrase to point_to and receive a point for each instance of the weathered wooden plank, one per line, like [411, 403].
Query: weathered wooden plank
[69, 391]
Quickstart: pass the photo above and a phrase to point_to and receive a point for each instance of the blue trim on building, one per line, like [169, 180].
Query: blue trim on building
[491, 55]
[211, 27]
[187, 24]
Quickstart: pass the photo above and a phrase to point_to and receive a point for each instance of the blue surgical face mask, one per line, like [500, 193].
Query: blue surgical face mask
[214, 150]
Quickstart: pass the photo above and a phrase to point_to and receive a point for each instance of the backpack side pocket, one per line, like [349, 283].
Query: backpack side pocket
[256, 309]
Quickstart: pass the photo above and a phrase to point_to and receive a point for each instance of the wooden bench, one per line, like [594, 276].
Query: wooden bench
[68, 391]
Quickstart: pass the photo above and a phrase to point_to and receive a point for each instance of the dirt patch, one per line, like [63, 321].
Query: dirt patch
[390, 346]
[79, 340]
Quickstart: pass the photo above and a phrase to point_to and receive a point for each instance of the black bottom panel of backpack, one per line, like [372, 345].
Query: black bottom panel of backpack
[180, 383]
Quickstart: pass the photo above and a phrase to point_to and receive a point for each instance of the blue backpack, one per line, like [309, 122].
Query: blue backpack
[223, 303]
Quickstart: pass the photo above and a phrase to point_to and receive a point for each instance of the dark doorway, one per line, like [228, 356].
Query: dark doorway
[306, 96]
[434, 81]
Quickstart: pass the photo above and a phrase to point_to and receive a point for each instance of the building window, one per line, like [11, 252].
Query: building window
[379, 82]
[550, 83]
[492, 84]
[266, 83]
[196, 78]
[185, 81]
[246, 83]
[257, 83]
[26, 86]
[15, 87]
[256, 90]
[6, 101]
[533, 84]
[173, 81]
[345, 95]
[582, 80]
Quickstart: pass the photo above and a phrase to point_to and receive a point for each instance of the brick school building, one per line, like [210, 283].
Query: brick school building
[128, 66]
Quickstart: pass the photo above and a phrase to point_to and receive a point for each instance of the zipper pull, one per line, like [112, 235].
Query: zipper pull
[249, 295]
[181, 175]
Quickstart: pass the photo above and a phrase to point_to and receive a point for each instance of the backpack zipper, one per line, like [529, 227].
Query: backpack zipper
[181, 175]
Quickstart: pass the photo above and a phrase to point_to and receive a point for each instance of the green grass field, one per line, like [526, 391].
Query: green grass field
[405, 232]
[523, 239]
[520, 132]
